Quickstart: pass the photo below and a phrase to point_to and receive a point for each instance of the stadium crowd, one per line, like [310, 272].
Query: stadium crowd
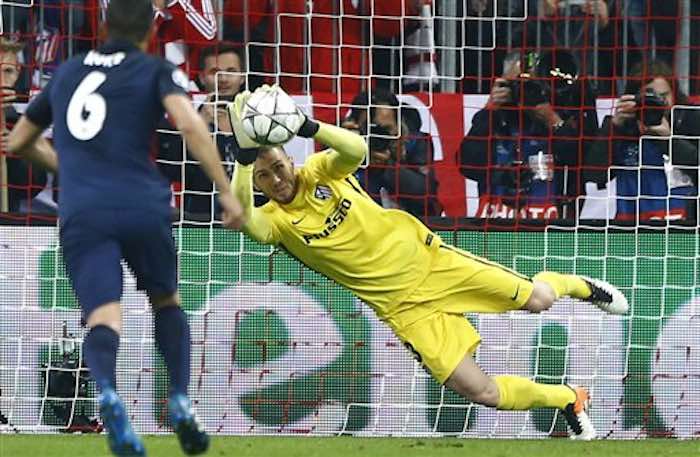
[534, 150]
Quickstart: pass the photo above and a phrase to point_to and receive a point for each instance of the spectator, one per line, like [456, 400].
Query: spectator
[525, 146]
[222, 71]
[319, 52]
[56, 28]
[224, 64]
[581, 27]
[646, 178]
[25, 181]
[400, 172]
[182, 28]
[657, 19]
[484, 45]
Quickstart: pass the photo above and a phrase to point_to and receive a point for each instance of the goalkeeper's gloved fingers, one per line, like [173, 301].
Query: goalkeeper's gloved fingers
[235, 112]
[238, 104]
[308, 127]
[268, 88]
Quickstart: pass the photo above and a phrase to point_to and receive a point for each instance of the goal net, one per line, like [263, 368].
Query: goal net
[280, 349]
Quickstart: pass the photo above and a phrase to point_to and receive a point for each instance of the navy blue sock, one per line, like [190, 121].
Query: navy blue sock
[172, 334]
[100, 348]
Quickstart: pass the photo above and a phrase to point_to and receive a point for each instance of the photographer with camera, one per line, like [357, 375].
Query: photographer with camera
[584, 27]
[400, 172]
[658, 182]
[525, 146]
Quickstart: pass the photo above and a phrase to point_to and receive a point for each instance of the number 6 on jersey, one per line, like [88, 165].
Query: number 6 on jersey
[87, 109]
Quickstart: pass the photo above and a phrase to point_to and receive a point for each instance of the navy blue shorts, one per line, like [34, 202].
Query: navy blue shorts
[94, 243]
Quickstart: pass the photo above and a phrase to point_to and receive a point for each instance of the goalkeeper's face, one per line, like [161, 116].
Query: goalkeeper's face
[274, 175]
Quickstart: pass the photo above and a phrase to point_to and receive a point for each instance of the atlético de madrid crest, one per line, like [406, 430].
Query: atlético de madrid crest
[323, 192]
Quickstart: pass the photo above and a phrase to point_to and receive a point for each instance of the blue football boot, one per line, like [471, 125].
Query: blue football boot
[193, 439]
[123, 442]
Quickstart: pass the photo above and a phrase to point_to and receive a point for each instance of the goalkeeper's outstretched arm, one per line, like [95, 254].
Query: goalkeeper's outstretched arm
[258, 226]
[348, 149]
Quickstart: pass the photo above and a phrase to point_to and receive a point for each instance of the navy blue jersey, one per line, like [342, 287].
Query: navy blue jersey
[104, 106]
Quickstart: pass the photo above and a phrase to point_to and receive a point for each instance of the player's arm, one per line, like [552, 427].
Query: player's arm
[26, 141]
[348, 149]
[258, 225]
[197, 136]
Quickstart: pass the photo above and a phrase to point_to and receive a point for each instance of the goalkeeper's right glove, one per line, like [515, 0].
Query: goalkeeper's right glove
[247, 148]
[235, 112]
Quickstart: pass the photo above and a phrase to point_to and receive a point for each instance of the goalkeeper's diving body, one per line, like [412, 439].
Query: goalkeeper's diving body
[416, 283]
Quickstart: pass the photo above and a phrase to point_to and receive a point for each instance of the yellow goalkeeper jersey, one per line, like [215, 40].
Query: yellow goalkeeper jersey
[335, 228]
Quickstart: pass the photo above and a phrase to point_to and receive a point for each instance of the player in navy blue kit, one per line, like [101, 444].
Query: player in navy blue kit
[114, 204]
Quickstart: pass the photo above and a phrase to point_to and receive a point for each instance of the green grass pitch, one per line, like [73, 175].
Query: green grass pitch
[167, 446]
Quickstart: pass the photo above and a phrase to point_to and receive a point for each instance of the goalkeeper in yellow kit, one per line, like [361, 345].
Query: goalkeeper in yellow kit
[416, 283]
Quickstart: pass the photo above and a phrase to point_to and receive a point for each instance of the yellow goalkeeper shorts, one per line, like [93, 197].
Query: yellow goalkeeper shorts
[431, 322]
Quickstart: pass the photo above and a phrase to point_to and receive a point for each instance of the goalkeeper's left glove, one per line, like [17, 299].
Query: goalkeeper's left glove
[308, 127]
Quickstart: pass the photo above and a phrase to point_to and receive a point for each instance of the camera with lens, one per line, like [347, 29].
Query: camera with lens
[380, 139]
[548, 77]
[222, 101]
[652, 108]
[66, 382]
[528, 91]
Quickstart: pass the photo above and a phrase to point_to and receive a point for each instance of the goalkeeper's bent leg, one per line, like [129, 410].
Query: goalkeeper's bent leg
[506, 392]
[516, 393]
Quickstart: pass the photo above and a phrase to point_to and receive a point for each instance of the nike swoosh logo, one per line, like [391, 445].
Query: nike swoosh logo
[297, 221]
[515, 295]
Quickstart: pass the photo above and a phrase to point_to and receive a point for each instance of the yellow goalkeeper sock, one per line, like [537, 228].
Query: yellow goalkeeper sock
[570, 285]
[519, 394]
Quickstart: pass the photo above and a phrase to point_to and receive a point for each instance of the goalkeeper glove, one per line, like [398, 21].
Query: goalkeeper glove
[308, 127]
[247, 148]
[235, 112]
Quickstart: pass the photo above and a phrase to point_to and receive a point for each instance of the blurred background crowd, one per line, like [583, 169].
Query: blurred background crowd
[568, 109]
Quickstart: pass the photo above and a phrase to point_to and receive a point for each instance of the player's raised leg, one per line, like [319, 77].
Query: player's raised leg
[100, 351]
[172, 335]
[550, 286]
[516, 393]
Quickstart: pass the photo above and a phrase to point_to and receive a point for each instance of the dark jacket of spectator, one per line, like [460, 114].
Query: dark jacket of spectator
[198, 192]
[410, 181]
[660, 179]
[526, 155]
[400, 171]
[663, 168]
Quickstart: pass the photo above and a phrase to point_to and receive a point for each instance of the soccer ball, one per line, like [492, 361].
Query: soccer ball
[271, 117]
